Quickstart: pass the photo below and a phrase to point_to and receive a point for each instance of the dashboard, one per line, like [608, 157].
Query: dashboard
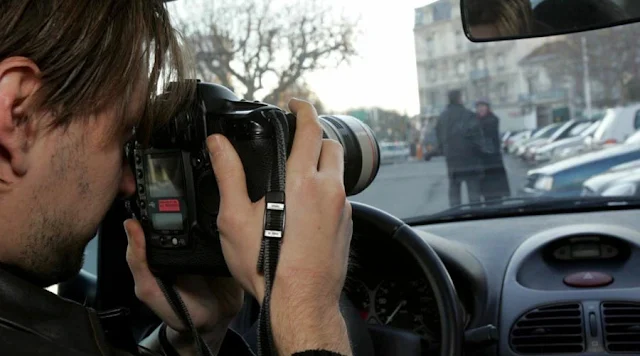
[388, 289]
[563, 284]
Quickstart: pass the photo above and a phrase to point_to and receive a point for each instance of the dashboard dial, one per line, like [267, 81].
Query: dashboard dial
[359, 296]
[407, 305]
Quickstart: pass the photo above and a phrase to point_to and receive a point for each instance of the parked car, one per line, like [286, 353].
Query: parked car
[576, 137]
[628, 186]
[504, 137]
[598, 184]
[513, 140]
[617, 125]
[568, 129]
[541, 136]
[565, 178]
[576, 146]
[393, 152]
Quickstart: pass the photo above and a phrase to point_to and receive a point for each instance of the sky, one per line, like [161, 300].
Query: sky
[384, 74]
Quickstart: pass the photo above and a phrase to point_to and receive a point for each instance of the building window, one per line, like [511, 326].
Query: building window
[430, 45]
[462, 68]
[419, 17]
[442, 10]
[502, 91]
[636, 122]
[432, 73]
[459, 40]
[455, 11]
[480, 63]
[500, 61]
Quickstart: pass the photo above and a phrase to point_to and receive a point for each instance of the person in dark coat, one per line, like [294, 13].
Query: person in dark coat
[495, 183]
[461, 141]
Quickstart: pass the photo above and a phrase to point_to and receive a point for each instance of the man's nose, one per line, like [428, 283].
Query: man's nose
[127, 182]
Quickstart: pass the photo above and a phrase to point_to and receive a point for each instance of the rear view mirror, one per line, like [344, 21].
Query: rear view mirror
[491, 20]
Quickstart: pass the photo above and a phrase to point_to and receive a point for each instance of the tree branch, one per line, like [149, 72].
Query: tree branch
[248, 43]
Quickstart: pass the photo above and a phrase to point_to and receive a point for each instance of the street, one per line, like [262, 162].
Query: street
[420, 188]
[403, 189]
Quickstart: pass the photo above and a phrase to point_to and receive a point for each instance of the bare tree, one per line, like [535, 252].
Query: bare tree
[614, 59]
[256, 46]
[300, 90]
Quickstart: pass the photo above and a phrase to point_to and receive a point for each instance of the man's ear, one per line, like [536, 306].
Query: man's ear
[19, 81]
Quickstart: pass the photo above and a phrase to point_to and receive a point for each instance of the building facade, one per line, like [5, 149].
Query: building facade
[447, 60]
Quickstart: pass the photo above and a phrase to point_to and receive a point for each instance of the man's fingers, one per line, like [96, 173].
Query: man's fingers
[331, 158]
[229, 173]
[146, 285]
[307, 141]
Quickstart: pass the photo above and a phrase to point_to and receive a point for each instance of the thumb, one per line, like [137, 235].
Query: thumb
[227, 167]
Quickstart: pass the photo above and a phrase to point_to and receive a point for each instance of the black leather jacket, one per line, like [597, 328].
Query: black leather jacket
[34, 321]
[461, 140]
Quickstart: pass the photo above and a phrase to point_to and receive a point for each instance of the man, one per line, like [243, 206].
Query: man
[495, 184]
[70, 92]
[461, 142]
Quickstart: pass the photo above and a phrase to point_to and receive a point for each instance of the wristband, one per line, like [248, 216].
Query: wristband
[317, 353]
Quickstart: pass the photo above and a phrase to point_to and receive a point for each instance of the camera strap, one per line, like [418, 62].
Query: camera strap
[273, 231]
[170, 292]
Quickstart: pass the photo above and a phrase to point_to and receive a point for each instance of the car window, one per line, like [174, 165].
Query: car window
[579, 128]
[401, 66]
[591, 129]
[636, 121]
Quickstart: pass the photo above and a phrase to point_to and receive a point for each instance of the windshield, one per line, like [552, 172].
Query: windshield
[546, 132]
[579, 128]
[591, 129]
[439, 104]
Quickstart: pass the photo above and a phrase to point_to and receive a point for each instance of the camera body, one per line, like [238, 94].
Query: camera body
[177, 199]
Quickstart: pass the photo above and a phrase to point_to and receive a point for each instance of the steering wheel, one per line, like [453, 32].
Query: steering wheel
[451, 315]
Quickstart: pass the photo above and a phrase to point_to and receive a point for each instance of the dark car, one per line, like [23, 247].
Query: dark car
[565, 178]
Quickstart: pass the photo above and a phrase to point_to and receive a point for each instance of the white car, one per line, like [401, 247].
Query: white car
[575, 138]
[617, 125]
[393, 152]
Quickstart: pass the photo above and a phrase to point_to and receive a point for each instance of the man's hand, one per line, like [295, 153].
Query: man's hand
[211, 302]
[314, 256]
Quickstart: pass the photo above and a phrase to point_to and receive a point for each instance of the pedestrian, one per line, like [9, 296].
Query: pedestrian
[495, 182]
[461, 141]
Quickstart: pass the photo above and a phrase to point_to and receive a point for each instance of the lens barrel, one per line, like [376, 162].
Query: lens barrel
[361, 150]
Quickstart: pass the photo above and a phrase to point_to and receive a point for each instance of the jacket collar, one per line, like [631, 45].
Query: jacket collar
[40, 312]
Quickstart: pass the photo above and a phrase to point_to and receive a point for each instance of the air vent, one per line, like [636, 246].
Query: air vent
[621, 327]
[553, 329]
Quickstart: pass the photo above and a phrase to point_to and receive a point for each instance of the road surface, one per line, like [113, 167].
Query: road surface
[419, 188]
[403, 189]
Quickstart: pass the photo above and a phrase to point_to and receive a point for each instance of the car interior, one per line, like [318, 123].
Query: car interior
[561, 281]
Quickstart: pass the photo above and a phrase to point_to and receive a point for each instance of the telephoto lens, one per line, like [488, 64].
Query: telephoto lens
[361, 150]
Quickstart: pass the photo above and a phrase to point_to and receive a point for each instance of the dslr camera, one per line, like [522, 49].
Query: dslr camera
[177, 198]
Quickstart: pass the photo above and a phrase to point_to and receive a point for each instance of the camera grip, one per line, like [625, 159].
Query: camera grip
[257, 159]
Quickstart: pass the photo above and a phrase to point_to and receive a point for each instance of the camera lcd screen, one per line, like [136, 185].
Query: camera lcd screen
[165, 176]
[167, 221]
